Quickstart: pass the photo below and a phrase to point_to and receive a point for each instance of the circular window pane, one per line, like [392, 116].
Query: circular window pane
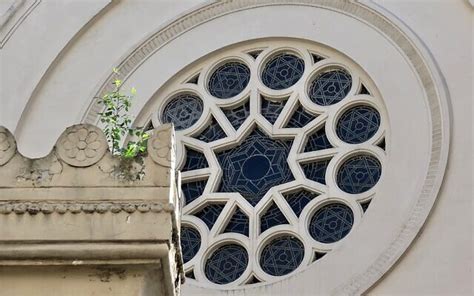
[190, 242]
[229, 80]
[282, 255]
[282, 71]
[359, 174]
[331, 223]
[226, 264]
[183, 111]
[358, 124]
[330, 87]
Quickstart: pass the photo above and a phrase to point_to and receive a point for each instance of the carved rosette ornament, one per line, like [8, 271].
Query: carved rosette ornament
[7, 145]
[81, 145]
[160, 147]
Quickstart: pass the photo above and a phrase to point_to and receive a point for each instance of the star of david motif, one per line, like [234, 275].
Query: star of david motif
[255, 166]
[229, 80]
[330, 87]
[282, 256]
[331, 223]
[227, 264]
[358, 124]
[191, 242]
[283, 71]
[359, 174]
[183, 111]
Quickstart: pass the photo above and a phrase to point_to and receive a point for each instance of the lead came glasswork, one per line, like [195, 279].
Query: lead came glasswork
[183, 111]
[255, 166]
[229, 80]
[358, 124]
[258, 166]
[359, 174]
[282, 255]
[282, 71]
[226, 264]
[331, 223]
[330, 87]
[190, 242]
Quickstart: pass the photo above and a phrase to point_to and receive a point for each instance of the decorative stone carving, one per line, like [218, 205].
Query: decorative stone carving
[7, 145]
[81, 145]
[47, 208]
[160, 148]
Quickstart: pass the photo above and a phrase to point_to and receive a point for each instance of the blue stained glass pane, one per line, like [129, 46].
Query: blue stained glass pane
[282, 71]
[190, 242]
[358, 124]
[272, 109]
[317, 141]
[255, 166]
[331, 223]
[365, 205]
[226, 264]
[272, 217]
[316, 171]
[193, 190]
[183, 111]
[212, 133]
[298, 200]
[238, 223]
[299, 118]
[282, 255]
[229, 80]
[238, 115]
[330, 87]
[359, 174]
[210, 213]
[194, 160]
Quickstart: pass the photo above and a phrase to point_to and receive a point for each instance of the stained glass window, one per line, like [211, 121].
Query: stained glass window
[331, 223]
[282, 71]
[359, 174]
[238, 115]
[183, 111]
[254, 166]
[330, 87]
[272, 109]
[358, 124]
[190, 242]
[282, 255]
[229, 80]
[194, 160]
[226, 264]
[275, 154]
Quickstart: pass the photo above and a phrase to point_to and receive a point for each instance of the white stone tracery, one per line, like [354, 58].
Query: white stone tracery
[326, 117]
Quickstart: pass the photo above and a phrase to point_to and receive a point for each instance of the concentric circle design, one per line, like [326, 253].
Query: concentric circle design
[229, 80]
[183, 111]
[359, 174]
[262, 163]
[358, 124]
[282, 71]
[282, 255]
[330, 87]
[190, 242]
[226, 264]
[331, 223]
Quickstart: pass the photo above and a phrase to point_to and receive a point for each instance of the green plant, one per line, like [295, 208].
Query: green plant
[118, 124]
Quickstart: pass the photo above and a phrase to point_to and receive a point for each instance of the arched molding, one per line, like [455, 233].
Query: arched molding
[433, 91]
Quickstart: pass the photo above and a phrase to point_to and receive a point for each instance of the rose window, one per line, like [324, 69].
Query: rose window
[281, 145]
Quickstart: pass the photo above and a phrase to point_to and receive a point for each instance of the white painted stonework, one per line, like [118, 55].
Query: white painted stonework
[416, 56]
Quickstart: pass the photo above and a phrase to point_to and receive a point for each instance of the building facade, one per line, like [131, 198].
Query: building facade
[324, 147]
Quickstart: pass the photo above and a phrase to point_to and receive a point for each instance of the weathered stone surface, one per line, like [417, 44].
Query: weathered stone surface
[106, 222]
